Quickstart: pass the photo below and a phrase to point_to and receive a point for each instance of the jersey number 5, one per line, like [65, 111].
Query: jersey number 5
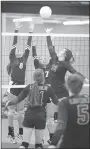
[82, 114]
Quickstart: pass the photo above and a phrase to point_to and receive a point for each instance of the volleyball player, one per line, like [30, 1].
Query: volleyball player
[18, 62]
[73, 116]
[35, 116]
[56, 70]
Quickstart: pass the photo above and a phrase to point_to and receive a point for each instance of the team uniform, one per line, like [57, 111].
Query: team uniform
[17, 73]
[35, 116]
[56, 71]
[57, 77]
[74, 111]
[18, 66]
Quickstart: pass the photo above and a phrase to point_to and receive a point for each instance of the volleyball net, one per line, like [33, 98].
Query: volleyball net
[77, 43]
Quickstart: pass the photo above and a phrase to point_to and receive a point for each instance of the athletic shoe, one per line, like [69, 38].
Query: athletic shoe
[12, 139]
[49, 141]
[19, 137]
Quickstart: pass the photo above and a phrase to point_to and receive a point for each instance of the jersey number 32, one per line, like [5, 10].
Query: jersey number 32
[82, 114]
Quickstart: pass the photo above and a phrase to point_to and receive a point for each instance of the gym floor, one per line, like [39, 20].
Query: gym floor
[4, 140]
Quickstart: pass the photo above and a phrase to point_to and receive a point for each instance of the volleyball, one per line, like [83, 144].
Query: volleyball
[45, 12]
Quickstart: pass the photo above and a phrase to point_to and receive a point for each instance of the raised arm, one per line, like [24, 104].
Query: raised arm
[12, 52]
[28, 48]
[50, 46]
[71, 69]
[62, 122]
[35, 58]
[9, 68]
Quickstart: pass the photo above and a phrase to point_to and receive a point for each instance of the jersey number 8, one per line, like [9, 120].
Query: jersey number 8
[82, 114]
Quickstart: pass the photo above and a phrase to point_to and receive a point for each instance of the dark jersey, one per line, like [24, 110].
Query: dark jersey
[74, 111]
[18, 65]
[56, 77]
[46, 92]
[56, 71]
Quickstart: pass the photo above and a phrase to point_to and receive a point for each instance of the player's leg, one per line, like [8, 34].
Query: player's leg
[27, 132]
[28, 125]
[40, 124]
[20, 111]
[10, 119]
[51, 110]
[39, 134]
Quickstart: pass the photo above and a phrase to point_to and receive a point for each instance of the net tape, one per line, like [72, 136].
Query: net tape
[44, 34]
[23, 86]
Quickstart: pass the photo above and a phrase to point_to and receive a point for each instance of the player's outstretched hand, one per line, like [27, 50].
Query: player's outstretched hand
[52, 146]
[17, 25]
[48, 30]
[31, 27]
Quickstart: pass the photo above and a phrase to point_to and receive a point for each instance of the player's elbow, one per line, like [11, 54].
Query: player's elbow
[55, 100]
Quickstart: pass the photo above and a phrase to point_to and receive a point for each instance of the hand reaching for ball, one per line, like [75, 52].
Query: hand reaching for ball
[31, 27]
[17, 25]
[48, 30]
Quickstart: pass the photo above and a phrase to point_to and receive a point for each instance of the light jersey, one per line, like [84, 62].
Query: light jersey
[46, 92]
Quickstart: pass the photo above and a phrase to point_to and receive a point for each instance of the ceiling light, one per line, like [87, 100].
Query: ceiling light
[22, 19]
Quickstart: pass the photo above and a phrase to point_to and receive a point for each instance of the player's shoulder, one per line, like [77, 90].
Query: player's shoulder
[29, 86]
[49, 88]
[85, 98]
[63, 99]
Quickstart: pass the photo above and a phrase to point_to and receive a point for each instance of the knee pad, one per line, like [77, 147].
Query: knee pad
[51, 125]
[20, 114]
[55, 115]
[10, 112]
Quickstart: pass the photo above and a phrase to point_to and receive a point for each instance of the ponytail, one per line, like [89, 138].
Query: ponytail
[69, 56]
[34, 96]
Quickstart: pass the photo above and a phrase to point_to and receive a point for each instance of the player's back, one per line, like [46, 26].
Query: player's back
[77, 130]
